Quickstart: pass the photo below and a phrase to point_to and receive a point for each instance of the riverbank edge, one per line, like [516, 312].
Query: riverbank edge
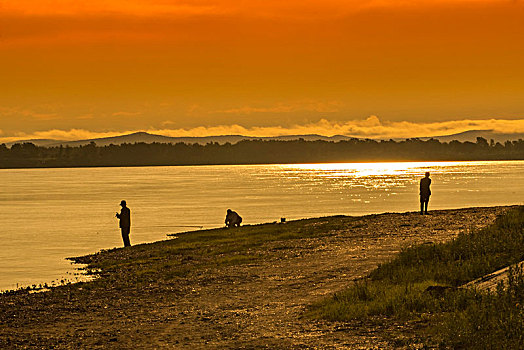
[349, 161]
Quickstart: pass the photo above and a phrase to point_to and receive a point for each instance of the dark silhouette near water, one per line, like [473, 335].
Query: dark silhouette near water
[425, 192]
[125, 223]
[233, 219]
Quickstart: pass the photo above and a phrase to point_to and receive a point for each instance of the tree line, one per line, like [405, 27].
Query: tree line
[28, 155]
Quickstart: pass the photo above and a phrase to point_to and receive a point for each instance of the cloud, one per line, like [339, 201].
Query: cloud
[72, 22]
[309, 106]
[14, 112]
[104, 7]
[125, 114]
[20, 112]
[65, 135]
[86, 116]
[252, 8]
[371, 127]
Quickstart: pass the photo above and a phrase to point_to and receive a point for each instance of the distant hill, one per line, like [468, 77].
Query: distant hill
[151, 138]
[472, 135]
[145, 137]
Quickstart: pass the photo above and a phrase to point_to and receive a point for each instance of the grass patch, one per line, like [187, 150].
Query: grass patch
[237, 259]
[399, 288]
[367, 299]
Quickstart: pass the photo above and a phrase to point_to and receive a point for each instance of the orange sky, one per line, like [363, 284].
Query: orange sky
[71, 68]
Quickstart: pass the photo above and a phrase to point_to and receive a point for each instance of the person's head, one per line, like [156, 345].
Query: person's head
[123, 203]
[427, 173]
[229, 211]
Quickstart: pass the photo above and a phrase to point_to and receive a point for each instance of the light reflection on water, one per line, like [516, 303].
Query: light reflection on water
[49, 214]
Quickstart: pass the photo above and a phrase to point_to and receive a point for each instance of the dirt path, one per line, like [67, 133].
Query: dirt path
[250, 306]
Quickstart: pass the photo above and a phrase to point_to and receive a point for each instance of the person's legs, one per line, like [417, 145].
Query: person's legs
[426, 202]
[125, 236]
[421, 205]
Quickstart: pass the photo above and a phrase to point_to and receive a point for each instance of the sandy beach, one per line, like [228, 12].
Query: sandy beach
[175, 294]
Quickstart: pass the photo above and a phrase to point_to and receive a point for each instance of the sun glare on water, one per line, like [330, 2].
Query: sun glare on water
[368, 169]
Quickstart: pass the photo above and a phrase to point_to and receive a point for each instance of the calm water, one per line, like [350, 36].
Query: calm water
[49, 214]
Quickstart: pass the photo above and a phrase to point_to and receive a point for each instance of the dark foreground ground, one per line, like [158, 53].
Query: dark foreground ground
[246, 288]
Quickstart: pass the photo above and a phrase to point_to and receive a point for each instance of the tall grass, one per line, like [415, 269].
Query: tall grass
[463, 259]
[467, 318]
[489, 321]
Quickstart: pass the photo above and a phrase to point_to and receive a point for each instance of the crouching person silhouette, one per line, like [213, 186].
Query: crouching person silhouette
[233, 219]
[125, 223]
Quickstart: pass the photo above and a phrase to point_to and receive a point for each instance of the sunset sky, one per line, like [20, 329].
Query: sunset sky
[370, 68]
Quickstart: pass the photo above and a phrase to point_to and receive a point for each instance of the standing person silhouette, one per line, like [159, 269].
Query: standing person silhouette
[125, 223]
[425, 192]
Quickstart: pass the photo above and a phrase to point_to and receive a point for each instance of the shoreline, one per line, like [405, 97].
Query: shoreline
[269, 163]
[220, 288]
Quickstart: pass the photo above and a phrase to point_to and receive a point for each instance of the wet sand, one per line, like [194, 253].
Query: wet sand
[250, 305]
